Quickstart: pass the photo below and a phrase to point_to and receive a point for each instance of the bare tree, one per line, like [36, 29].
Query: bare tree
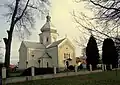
[88, 27]
[106, 19]
[104, 9]
[22, 18]
[106, 14]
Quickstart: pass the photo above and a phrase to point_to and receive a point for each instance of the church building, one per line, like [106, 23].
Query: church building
[49, 51]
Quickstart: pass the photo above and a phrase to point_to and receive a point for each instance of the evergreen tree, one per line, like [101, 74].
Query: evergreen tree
[92, 53]
[109, 53]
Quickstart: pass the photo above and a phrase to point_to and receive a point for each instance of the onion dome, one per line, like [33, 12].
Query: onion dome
[48, 26]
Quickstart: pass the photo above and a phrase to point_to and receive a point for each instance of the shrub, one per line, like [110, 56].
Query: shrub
[38, 71]
[80, 67]
[71, 67]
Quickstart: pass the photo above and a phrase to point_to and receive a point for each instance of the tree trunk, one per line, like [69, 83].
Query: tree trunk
[7, 59]
[8, 50]
[8, 40]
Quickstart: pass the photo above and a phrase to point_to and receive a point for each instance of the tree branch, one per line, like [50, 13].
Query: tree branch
[18, 18]
[8, 32]
[33, 7]
[5, 40]
[104, 6]
[14, 15]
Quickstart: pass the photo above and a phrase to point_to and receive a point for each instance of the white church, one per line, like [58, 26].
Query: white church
[48, 52]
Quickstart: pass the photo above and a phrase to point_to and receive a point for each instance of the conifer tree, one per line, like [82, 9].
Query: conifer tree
[92, 53]
[109, 53]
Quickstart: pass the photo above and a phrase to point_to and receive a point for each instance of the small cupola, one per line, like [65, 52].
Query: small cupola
[48, 26]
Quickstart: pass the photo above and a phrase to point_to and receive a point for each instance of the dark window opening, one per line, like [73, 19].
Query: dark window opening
[66, 55]
[47, 39]
[69, 55]
[32, 55]
[47, 65]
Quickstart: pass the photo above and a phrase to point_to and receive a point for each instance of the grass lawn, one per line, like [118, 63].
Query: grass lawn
[103, 78]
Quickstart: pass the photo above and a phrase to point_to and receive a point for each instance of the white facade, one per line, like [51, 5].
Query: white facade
[49, 52]
[22, 56]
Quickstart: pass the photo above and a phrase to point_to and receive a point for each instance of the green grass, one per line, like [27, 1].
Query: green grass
[15, 74]
[103, 78]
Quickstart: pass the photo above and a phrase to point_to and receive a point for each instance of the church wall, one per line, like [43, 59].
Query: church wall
[54, 37]
[66, 48]
[33, 61]
[54, 54]
[22, 57]
[44, 36]
[47, 60]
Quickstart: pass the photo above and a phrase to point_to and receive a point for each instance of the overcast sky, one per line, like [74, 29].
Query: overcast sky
[60, 17]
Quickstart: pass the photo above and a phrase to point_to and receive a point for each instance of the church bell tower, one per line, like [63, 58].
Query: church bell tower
[49, 32]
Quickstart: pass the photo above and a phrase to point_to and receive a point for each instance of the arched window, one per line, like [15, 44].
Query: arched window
[69, 55]
[47, 39]
[64, 55]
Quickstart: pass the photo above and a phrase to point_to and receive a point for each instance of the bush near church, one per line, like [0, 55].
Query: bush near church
[38, 71]
[80, 67]
[71, 67]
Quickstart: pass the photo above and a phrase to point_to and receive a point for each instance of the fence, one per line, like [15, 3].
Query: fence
[47, 76]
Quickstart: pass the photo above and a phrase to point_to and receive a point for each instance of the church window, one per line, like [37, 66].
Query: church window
[64, 55]
[32, 55]
[47, 39]
[69, 55]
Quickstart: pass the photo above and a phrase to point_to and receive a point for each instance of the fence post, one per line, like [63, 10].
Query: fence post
[3, 72]
[54, 70]
[102, 67]
[110, 66]
[3, 76]
[33, 71]
[75, 68]
[105, 67]
[90, 67]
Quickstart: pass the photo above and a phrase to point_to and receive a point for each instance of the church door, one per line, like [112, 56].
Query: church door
[67, 64]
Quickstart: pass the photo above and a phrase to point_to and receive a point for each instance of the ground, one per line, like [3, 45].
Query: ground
[102, 78]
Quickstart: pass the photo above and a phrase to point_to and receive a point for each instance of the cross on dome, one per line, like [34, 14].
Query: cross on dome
[48, 26]
[48, 18]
